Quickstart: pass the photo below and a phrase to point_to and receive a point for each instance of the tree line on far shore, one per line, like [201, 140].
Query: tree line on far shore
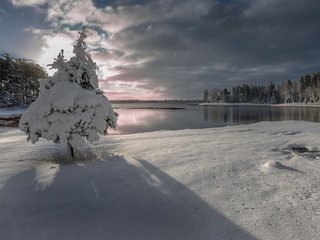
[19, 81]
[304, 90]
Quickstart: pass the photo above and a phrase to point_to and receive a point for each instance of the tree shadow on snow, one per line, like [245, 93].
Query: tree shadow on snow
[114, 199]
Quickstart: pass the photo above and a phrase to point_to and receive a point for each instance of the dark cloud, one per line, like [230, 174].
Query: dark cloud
[181, 47]
[233, 43]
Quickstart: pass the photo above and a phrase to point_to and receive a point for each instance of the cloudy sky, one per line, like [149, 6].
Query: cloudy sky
[171, 49]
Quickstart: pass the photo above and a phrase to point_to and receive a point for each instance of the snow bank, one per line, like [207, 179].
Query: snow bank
[10, 116]
[297, 105]
[258, 181]
[233, 104]
[11, 111]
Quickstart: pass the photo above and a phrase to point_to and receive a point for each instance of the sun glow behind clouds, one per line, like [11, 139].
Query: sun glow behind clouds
[119, 90]
[52, 48]
[110, 65]
[108, 44]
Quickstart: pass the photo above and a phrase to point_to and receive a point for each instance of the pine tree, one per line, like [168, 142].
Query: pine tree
[206, 96]
[70, 107]
[7, 77]
[225, 96]
[287, 91]
[18, 80]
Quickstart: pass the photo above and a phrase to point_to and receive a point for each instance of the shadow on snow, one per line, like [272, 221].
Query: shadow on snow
[114, 199]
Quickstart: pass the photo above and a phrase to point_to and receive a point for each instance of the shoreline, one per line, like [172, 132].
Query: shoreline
[316, 105]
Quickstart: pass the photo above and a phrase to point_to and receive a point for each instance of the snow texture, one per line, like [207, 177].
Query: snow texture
[10, 116]
[11, 112]
[70, 107]
[258, 181]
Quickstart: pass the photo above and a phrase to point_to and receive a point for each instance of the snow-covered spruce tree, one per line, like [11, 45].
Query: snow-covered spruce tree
[70, 107]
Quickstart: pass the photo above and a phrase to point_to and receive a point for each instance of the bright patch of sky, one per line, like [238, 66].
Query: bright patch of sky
[170, 49]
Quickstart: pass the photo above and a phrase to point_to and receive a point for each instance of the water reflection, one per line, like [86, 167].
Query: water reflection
[145, 120]
[236, 115]
[138, 120]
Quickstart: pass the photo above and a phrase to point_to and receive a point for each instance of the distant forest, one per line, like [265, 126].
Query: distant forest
[18, 81]
[304, 90]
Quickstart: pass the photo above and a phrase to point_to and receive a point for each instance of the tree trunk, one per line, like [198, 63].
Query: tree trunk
[70, 152]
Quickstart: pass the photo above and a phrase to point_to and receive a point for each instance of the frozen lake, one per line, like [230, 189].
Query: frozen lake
[146, 117]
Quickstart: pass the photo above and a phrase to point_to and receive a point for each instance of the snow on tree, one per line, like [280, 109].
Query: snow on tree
[18, 80]
[206, 96]
[70, 107]
[288, 91]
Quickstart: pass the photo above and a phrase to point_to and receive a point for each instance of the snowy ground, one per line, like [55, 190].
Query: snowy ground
[10, 116]
[11, 111]
[258, 181]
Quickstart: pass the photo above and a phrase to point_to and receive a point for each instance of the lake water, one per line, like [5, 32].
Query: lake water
[146, 117]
